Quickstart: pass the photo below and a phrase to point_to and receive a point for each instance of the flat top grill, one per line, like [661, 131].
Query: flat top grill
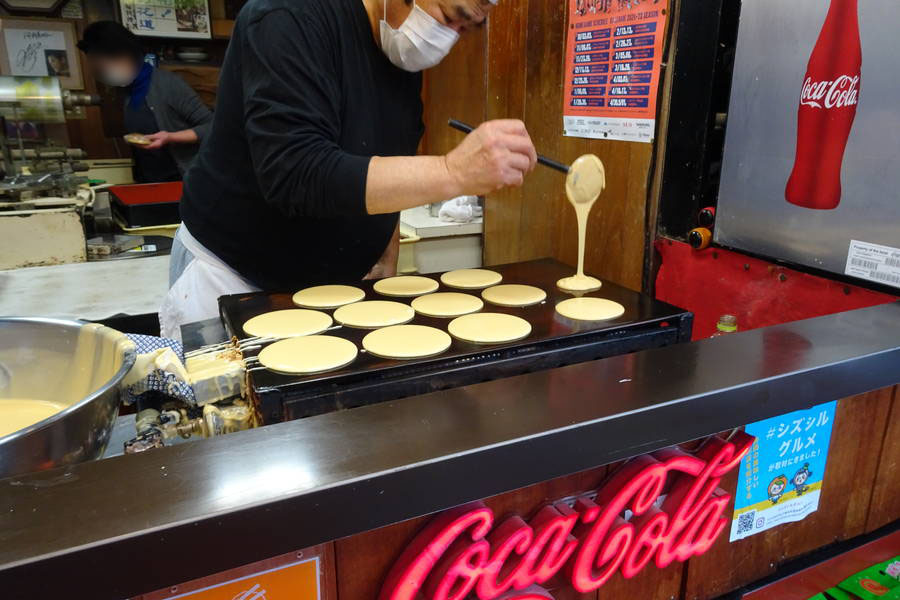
[554, 341]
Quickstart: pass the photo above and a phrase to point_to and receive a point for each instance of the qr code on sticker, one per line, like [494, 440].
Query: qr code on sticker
[745, 522]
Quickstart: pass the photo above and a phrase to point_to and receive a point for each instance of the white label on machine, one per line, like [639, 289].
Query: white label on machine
[874, 262]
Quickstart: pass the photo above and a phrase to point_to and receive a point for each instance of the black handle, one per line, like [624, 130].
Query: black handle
[547, 162]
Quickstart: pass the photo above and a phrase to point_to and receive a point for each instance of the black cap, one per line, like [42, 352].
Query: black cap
[108, 38]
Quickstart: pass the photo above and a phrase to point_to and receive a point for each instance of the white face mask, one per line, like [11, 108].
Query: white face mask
[420, 43]
[117, 77]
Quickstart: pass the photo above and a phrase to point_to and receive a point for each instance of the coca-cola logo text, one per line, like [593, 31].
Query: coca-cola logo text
[841, 92]
[463, 551]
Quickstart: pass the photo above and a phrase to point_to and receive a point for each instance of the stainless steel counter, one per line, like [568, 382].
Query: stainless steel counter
[174, 514]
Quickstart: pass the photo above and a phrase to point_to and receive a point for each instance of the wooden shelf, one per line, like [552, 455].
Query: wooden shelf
[222, 28]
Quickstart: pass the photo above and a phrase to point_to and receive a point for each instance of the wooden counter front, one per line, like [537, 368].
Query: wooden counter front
[858, 496]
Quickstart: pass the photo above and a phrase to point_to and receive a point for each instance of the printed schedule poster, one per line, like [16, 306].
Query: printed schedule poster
[780, 479]
[167, 18]
[613, 54]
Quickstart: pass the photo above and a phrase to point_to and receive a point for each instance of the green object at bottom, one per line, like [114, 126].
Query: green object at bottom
[878, 582]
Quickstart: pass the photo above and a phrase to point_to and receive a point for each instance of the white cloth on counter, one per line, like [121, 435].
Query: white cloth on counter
[195, 295]
[464, 209]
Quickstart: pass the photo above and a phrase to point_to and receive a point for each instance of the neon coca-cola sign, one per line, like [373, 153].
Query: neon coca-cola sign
[676, 512]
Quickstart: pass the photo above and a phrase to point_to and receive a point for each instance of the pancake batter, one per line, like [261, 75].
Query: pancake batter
[471, 279]
[447, 304]
[590, 309]
[373, 314]
[514, 294]
[489, 328]
[585, 182]
[406, 342]
[18, 413]
[406, 286]
[309, 354]
[328, 296]
[288, 323]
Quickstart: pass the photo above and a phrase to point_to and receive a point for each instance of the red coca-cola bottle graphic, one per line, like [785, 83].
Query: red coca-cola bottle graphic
[828, 101]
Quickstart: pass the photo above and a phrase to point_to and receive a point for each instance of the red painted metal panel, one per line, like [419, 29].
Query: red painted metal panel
[714, 282]
[828, 574]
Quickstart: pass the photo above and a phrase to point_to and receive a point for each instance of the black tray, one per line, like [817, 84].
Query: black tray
[554, 341]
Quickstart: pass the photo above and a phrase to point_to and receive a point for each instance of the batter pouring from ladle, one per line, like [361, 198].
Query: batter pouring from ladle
[585, 182]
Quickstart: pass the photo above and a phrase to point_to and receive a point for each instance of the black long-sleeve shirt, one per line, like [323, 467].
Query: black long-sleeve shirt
[305, 99]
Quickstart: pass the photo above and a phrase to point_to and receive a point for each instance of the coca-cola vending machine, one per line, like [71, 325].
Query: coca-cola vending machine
[811, 168]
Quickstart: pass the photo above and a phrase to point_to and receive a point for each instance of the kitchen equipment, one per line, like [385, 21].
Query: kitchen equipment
[554, 341]
[77, 364]
[146, 204]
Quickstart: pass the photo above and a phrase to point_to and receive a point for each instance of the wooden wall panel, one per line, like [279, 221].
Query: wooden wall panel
[364, 560]
[508, 56]
[541, 201]
[856, 461]
[525, 48]
[455, 89]
[88, 134]
[859, 427]
[885, 505]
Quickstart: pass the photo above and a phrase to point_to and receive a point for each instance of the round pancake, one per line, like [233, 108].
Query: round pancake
[585, 283]
[489, 328]
[405, 342]
[447, 304]
[372, 314]
[328, 296]
[471, 279]
[288, 323]
[590, 309]
[406, 286]
[309, 354]
[513, 294]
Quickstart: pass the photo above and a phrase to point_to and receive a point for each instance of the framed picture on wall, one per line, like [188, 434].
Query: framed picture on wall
[44, 6]
[40, 48]
[167, 18]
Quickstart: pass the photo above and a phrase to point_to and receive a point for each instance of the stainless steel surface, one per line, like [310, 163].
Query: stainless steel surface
[775, 41]
[36, 99]
[76, 364]
[260, 493]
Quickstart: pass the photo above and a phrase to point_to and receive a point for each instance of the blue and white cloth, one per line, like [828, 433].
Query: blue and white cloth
[159, 367]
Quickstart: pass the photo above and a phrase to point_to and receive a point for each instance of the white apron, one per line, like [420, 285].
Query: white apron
[194, 295]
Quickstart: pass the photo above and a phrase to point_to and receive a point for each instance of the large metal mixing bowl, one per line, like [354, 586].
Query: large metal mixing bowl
[76, 364]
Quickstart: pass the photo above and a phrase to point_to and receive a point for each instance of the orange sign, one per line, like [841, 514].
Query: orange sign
[613, 55]
[295, 581]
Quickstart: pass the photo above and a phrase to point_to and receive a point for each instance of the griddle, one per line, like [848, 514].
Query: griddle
[554, 341]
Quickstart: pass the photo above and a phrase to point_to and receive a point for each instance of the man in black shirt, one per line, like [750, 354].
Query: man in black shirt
[312, 150]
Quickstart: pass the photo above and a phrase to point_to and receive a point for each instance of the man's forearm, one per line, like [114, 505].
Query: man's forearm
[400, 182]
[497, 154]
[185, 136]
[392, 252]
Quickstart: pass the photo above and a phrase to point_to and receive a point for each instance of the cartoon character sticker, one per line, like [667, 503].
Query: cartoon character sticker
[800, 478]
[776, 488]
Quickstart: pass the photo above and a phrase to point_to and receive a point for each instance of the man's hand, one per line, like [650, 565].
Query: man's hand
[385, 267]
[164, 138]
[387, 264]
[158, 140]
[497, 154]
